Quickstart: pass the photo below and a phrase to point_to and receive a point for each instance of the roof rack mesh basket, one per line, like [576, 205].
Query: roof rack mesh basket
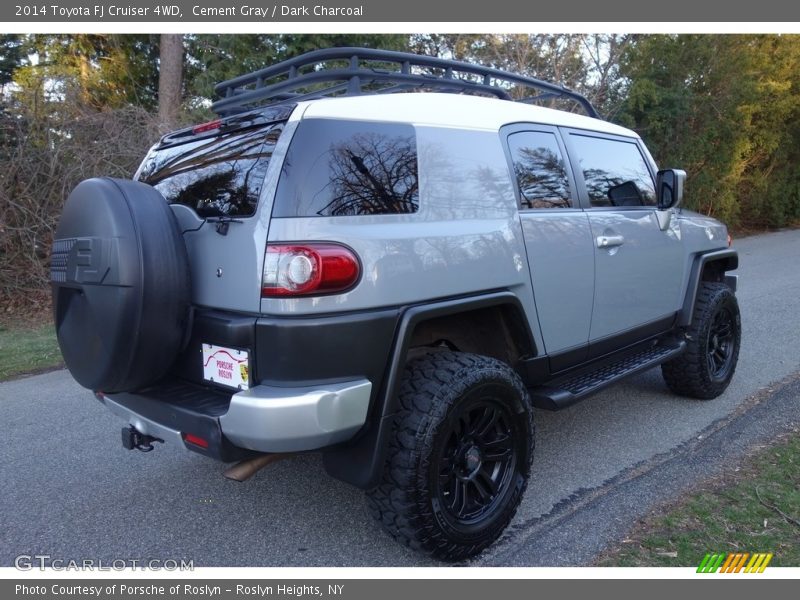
[355, 71]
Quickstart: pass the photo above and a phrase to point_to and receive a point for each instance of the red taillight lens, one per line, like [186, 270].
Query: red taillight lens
[210, 126]
[193, 439]
[308, 269]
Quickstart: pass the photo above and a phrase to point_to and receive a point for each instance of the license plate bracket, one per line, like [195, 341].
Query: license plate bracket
[229, 367]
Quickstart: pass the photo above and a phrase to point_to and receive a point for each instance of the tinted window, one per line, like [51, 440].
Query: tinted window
[215, 176]
[337, 168]
[615, 172]
[540, 170]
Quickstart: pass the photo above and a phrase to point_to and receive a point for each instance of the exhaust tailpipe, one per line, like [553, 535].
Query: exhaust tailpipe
[247, 468]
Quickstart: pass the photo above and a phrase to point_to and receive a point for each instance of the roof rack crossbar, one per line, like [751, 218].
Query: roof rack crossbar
[243, 99]
[295, 97]
[275, 84]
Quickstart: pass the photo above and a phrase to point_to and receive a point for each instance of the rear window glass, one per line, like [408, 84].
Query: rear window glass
[540, 170]
[216, 176]
[339, 168]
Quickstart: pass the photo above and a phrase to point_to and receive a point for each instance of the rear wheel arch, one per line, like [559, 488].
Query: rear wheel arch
[360, 463]
[498, 331]
[419, 324]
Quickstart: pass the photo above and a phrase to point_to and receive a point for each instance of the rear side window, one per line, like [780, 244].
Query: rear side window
[341, 168]
[540, 170]
[216, 176]
[615, 172]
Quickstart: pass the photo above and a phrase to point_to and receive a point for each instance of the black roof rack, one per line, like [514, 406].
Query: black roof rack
[358, 71]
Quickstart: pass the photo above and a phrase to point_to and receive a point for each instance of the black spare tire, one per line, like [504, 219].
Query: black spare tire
[121, 285]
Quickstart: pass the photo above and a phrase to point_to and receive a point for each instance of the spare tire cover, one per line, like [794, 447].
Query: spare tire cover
[121, 287]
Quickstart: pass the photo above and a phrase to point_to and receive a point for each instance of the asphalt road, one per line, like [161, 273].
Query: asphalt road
[71, 491]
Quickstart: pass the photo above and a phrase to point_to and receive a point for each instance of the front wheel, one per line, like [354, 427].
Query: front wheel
[705, 369]
[459, 457]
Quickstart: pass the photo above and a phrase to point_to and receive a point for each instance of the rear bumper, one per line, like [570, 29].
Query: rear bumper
[272, 419]
[313, 382]
[261, 419]
[142, 423]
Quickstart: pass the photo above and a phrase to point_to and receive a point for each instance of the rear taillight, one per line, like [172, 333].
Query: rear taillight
[308, 269]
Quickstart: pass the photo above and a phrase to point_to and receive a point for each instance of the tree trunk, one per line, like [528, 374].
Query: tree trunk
[170, 76]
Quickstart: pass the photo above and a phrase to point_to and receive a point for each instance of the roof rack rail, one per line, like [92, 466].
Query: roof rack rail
[371, 71]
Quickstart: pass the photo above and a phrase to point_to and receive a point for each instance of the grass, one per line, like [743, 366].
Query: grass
[27, 348]
[752, 508]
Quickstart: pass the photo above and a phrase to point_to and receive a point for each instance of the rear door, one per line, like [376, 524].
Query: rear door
[216, 177]
[638, 266]
[557, 237]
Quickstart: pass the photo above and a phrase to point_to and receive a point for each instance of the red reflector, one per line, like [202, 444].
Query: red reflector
[210, 126]
[193, 439]
[308, 269]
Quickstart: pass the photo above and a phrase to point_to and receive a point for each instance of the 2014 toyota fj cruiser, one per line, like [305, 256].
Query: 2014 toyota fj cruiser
[392, 279]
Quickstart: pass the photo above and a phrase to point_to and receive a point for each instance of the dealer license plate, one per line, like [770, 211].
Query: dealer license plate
[226, 366]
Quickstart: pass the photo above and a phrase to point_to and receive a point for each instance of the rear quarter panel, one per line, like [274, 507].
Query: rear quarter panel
[465, 238]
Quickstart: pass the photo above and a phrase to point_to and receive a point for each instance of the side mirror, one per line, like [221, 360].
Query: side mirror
[669, 188]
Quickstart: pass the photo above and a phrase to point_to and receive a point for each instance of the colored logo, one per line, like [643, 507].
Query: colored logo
[735, 562]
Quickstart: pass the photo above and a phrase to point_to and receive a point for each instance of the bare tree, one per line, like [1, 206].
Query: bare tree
[587, 63]
[170, 79]
[373, 174]
[605, 87]
[41, 160]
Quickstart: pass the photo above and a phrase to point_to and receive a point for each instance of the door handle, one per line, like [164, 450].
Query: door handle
[610, 241]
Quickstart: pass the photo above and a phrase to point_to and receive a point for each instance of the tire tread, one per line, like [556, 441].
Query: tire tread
[398, 503]
[687, 374]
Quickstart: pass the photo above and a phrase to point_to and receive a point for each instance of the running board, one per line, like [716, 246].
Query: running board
[563, 392]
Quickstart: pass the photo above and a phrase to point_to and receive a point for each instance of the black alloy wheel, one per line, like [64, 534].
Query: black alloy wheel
[707, 365]
[720, 346]
[459, 457]
[477, 460]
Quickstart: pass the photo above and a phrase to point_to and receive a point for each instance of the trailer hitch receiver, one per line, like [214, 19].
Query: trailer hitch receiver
[134, 439]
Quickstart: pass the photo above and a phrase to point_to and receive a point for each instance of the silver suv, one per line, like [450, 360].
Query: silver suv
[391, 279]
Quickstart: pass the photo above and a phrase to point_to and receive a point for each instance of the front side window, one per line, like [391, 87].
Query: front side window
[539, 169]
[344, 168]
[615, 172]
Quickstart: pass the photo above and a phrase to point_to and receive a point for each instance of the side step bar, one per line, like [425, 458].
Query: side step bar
[571, 388]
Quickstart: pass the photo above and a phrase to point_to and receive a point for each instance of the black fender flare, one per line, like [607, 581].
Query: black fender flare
[360, 462]
[728, 260]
